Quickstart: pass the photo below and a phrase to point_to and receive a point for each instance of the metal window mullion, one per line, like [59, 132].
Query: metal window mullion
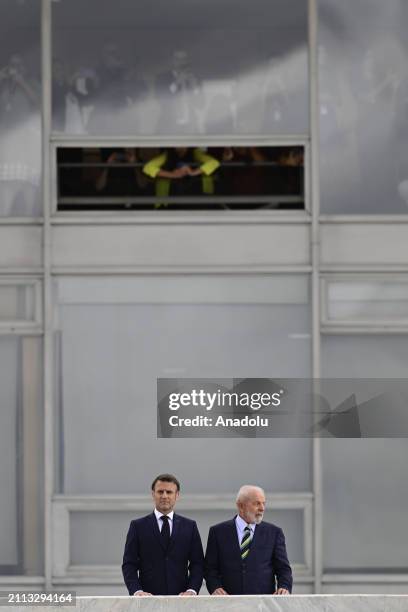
[315, 260]
[47, 303]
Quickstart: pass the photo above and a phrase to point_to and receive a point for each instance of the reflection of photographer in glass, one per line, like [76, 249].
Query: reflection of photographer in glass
[13, 77]
[19, 139]
[180, 95]
[81, 99]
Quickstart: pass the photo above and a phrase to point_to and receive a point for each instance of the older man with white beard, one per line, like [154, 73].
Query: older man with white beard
[245, 555]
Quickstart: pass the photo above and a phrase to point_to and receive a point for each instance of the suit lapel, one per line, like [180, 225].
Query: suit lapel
[232, 538]
[155, 529]
[255, 541]
[257, 534]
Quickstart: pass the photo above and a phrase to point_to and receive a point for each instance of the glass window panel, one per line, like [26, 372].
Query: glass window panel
[20, 104]
[376, 300]
[17, 302]
[113, 351]
[98, 538]
[21, 448]
[365, 482]
[360, 356]
[180, 68]
[365, 497]
[363, 106]
[8, 454]
[181, 178]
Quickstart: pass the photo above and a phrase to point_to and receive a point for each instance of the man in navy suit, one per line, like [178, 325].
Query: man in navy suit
[163, 552]
[246, 556]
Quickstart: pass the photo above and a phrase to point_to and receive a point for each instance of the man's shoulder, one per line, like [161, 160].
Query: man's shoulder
[184, 519]
[269, 527]
[223, 525]
[140, 521]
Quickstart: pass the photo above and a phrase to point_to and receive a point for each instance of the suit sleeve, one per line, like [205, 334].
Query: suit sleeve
[196, 562]
[130, 565]
[281, 565]
[211, 565]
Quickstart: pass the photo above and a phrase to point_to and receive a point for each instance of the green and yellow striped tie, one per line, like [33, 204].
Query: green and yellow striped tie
[245, 543]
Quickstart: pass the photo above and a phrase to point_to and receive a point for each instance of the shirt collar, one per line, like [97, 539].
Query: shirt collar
[241, 524]
[159, 514]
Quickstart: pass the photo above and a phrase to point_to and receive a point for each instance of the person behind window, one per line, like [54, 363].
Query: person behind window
[243, 172]
[175, 170]
[117, 177]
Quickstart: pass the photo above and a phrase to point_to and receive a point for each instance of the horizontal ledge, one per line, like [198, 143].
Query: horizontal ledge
[275, 216]
[176, 270]
[369, 578]
[59, 139]
[359, 268]
[243, 598]
[293, 597]
[367, 219]
[20, 325]
[173, 218]
[35, 272]
[117, 503]
[363, 330]
[186, 200]
[211, 497]
[114, 570]
[96, 575]
[21, 221]
[401, 322]
[20, 331]
[22, 580]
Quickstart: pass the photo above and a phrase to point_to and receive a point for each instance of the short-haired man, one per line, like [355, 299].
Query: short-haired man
[245, 555]
[163, 552]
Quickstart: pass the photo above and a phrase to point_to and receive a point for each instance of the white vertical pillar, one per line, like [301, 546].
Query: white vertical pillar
[315, 258]
[48, 356]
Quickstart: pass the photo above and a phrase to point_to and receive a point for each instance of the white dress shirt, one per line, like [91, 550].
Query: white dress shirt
[240, 525]
[158, 516]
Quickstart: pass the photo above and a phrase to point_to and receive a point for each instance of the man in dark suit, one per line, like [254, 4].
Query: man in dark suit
[163, 552]
[246, 556]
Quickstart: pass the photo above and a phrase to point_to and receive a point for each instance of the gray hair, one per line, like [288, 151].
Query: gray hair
[246, 490]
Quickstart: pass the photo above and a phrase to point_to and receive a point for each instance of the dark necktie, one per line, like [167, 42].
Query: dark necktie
[245, 543]
[165, 530]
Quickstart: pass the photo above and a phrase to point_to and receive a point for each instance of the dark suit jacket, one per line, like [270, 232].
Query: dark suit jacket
[148, 566]
[265, 569]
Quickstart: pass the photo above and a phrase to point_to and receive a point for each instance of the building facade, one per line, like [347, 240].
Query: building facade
[96, 305]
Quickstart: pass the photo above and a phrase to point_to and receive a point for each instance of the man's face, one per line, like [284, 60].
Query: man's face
[165, 495]
[252, 508]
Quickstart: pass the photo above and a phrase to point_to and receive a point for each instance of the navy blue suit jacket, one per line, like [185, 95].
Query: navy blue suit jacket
[265, 569]
[148, 566]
